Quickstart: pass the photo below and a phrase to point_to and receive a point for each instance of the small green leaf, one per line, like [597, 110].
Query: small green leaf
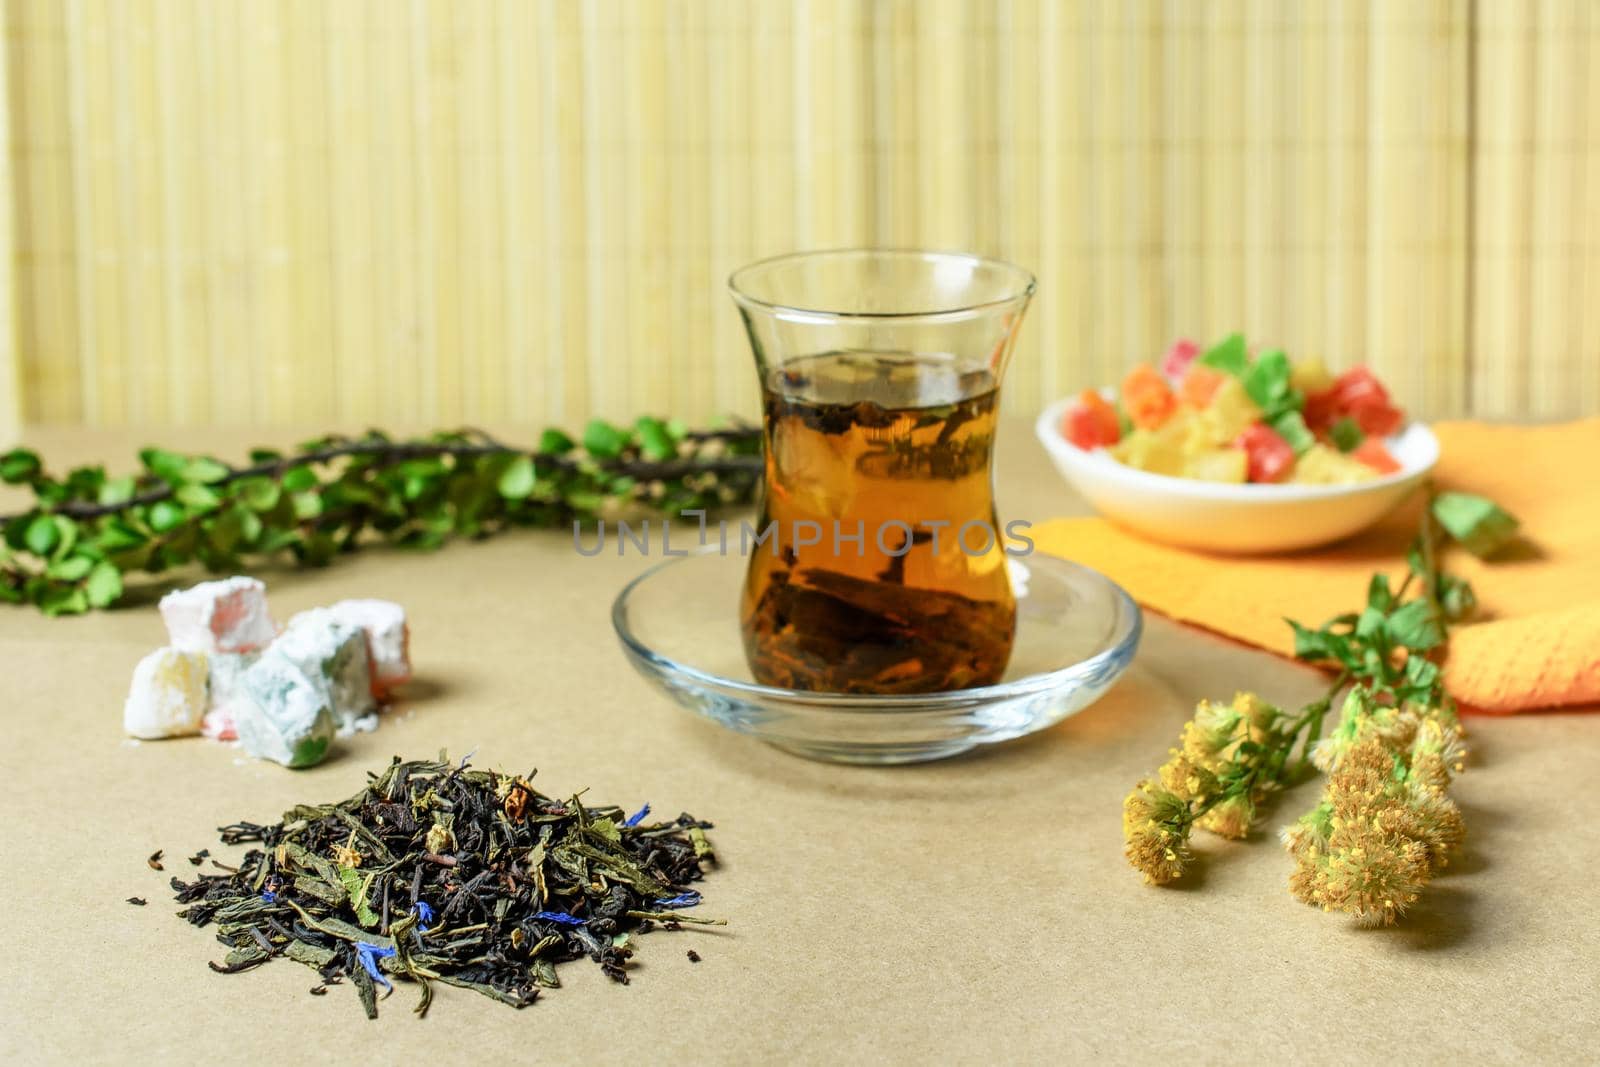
[223, 532]
[655, 440]
[299, 479]
[1456, 598]
[117, 491]
[168, 466]
[18, 466]
[1371, 622]
[204, 470]
[307, 505]
[555, 443]
[1379, 596]
[1228, 355]
[42, 535]
[1476, 522]
[250, 524]
[165, 515]
[1414, 626]
[64, 600]
[260, 494]
[516, 482]
[71, 569]
[603, 439]
[318, 548]
[104, 586]
[117, 535]
[1311, 645]
[199, 497]
[1346, 434]
[355, 887]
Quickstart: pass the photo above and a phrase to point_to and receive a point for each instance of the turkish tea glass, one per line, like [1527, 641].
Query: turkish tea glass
[877, 563]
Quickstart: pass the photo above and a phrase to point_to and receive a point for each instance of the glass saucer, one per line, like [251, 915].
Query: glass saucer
[1076, 633]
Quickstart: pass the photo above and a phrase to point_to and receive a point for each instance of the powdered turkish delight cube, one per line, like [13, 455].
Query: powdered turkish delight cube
[332, 654]
[223, 616]
[388, 639]
[284, 715]
[168, 695]
[226, 669]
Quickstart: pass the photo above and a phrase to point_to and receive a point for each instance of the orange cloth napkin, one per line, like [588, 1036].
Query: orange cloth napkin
[1535, 640]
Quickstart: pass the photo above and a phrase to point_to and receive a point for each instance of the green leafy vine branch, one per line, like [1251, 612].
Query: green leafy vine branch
[88, 531]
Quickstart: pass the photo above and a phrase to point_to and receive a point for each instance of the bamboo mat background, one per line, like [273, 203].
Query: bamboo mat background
[434, 211]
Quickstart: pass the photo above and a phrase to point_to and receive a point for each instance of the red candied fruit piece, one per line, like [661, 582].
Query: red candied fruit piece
[1269, 457]
[1090, 422]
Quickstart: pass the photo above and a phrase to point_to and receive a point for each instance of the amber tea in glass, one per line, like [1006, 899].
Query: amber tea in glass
[884, 566]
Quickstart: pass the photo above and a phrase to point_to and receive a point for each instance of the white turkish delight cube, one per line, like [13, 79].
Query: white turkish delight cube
[332, 654]
[226, 671]
[222, 616]
[168, 695]
[283, 714]
[388, 639]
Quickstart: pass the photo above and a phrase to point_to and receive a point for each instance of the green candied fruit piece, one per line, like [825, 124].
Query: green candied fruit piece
[309, 752]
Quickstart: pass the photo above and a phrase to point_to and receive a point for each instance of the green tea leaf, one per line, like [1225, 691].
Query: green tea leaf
[1228, 355]
[355, 887]
[1379, 596]
[1477, 523]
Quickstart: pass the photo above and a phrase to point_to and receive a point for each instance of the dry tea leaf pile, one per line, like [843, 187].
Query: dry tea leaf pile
[435, 872]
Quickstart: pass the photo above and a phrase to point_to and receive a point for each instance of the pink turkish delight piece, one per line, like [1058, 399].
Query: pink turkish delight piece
[223, 616]
[388, 639]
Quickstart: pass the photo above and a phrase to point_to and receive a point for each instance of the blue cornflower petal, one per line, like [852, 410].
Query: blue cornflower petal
[269, 896]
[424, 914]
[369, 954]
[637, 817]
[683, 900]
[559, 917]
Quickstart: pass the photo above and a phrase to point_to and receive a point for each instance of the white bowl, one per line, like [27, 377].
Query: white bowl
[1223, 517]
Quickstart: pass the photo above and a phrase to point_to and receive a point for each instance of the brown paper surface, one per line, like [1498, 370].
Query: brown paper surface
[973, 909]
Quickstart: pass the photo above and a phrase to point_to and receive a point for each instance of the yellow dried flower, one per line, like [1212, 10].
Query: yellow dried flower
[1155, 828]
[1438, 752]
[1231, 817]
[1217, 725]
[1186, 779]
[1371, 878]
[1378, 836]
[1257, 712]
